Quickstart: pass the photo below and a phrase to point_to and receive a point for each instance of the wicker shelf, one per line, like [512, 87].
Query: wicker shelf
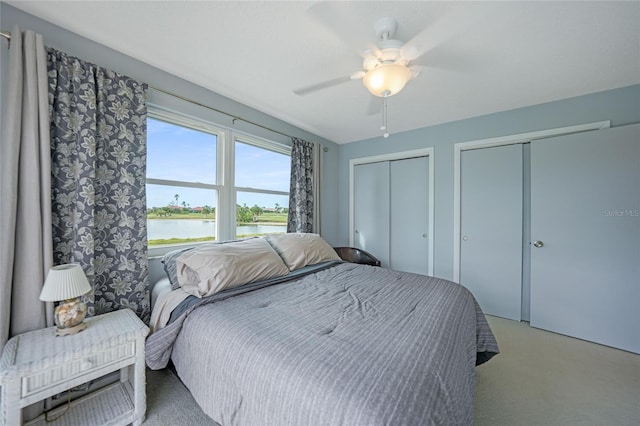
[110, 405]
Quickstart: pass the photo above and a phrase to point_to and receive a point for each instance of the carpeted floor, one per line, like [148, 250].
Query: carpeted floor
[540, 378]
[169, 403]
[543, 378]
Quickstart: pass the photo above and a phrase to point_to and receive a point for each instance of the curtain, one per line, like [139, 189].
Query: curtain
[98, 151]
[301, 193]
[25, 182]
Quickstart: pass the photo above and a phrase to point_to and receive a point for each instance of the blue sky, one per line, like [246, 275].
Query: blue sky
[182, 154]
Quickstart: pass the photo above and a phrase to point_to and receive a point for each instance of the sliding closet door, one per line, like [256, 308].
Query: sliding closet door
[491, 228]
[585, 265]
[371, 209]
[409, 241]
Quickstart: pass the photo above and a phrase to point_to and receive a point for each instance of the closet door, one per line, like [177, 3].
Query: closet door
[409, 241]
[371, 209]
[585, 213]
[491, 228]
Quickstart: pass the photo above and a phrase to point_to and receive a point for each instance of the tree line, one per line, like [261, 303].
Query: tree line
[244, 213]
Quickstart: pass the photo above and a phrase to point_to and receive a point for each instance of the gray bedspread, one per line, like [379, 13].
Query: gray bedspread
[347, 345]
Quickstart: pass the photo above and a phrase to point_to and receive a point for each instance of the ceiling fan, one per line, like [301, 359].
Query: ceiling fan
[386, 68]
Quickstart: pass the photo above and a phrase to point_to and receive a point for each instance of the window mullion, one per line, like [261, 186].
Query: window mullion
[261, 191]
[167, 182]
[227, 218]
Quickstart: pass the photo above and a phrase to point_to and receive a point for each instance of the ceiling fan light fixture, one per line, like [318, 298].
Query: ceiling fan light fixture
[386, 79]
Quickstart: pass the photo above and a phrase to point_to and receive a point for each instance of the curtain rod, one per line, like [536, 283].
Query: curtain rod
[234, 117]
[6, 35]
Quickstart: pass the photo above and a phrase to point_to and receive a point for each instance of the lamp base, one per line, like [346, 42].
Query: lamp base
[69, 317]
[73, 330]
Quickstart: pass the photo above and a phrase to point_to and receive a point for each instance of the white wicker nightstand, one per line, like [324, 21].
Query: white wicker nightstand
[37, 365]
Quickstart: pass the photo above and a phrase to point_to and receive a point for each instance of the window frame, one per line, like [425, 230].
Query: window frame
[225, 170]
[259, 143]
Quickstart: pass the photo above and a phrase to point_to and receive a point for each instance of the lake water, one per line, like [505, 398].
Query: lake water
[177, 228]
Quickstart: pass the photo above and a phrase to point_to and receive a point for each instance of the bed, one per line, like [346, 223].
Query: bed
[326, 343]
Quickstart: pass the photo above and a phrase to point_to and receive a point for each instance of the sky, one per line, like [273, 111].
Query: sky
[183, 154]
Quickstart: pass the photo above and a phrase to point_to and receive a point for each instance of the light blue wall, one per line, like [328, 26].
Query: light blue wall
[61, 39]
[621, 106]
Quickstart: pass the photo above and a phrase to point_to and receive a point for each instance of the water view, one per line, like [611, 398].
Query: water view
[167, 229]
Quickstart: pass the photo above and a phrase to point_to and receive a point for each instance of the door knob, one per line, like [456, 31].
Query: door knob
[538, 244]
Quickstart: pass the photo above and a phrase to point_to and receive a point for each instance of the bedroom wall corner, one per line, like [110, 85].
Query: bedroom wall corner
[329, 194]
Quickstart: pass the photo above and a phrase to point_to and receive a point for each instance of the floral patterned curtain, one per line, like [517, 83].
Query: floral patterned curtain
[301, 197]
[98, 150]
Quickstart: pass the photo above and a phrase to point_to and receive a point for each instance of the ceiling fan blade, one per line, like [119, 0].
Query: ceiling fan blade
[449, 22]
[322, 85]
[416, 70]
[344, 20]
[450, 58]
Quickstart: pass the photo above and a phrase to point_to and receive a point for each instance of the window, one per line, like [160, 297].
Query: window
[182, 194]
[202, 188]
[262, 188]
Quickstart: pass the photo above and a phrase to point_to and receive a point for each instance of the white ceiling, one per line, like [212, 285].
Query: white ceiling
[479, 57]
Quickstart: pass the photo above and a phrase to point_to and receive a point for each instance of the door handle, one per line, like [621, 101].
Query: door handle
[538, 244]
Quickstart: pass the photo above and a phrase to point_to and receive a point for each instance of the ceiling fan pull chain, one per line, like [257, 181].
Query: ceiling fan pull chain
[384, 118]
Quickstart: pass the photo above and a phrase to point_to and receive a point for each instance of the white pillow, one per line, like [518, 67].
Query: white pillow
[298, 250]
[223, 266]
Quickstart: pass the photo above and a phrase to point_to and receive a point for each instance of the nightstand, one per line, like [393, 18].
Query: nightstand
[37, 365]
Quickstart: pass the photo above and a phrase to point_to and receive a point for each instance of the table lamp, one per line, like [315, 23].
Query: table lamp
[67, 283]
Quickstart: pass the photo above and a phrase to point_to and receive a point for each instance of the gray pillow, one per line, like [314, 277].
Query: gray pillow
[302, 249]
[169, 261]
[211, 268]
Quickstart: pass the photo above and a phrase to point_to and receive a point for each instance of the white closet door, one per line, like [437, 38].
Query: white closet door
[371, 209]
[409, 241]
[585, 210]
[491, 228]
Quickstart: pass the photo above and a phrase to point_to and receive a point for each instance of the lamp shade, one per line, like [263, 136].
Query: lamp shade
[386, 79]
[64, 282]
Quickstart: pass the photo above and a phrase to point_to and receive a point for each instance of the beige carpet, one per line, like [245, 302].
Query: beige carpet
[169, 403]
[543, 378]
[540, 378]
